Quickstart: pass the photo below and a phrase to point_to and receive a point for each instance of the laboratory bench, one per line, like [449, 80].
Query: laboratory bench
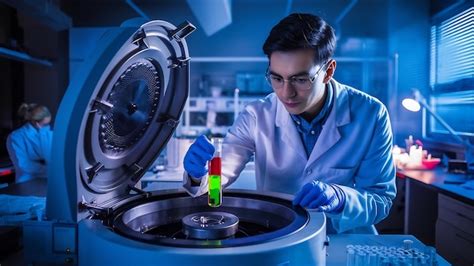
[35, 187]
[440, 211]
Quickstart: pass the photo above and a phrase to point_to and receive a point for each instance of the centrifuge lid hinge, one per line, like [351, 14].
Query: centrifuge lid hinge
[182, 31]
[96, 211]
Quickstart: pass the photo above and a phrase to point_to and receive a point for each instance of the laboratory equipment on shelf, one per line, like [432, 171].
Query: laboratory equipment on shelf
[225, 109]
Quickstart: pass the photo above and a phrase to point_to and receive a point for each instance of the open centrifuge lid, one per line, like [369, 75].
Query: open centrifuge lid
[117, 115]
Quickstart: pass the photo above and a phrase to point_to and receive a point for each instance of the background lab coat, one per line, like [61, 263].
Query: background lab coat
[30, 151]
[353, 150]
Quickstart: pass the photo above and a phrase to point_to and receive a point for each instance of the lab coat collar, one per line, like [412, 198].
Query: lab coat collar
[282, 115]
[341, 108]
[289, 132]
[338, 116]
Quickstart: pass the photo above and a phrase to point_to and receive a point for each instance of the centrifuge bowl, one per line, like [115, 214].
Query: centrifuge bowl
[157, 219]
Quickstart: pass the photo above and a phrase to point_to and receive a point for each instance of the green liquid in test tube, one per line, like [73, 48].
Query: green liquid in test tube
[215, 185]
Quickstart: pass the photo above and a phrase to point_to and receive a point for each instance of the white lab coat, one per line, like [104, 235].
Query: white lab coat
[353, 151]
[30, 151]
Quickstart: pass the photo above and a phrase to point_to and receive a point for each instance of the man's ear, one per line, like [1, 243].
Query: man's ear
[331, 68]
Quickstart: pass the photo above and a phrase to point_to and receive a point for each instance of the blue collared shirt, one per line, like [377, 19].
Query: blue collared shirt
[309, 132]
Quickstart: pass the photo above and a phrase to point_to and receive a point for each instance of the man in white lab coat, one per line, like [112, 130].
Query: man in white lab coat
[324, 142]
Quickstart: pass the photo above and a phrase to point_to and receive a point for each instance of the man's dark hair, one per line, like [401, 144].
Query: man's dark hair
[302, 31]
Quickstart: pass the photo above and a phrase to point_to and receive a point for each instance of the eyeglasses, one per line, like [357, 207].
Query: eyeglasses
[301, 83]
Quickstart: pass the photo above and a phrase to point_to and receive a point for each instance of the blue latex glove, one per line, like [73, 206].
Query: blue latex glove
[321, 196]
[197, 157]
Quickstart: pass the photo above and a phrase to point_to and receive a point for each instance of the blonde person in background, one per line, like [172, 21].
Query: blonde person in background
[29, 146]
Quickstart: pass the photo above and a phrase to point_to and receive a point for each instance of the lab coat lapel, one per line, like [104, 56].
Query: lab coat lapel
[339, 116]
[289, 133]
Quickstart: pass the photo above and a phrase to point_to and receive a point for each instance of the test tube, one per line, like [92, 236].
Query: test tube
[350, 257]
[407, 244]
[214, 198]
[373, 259]
[361, 259]
[384, 260]
[431, 252]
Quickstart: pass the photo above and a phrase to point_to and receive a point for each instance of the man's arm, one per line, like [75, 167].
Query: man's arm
[237, 149]
[370, 200]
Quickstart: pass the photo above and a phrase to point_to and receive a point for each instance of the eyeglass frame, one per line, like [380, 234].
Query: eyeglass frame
[311, 79]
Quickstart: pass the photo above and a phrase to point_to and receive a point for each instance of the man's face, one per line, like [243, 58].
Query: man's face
[295, 65]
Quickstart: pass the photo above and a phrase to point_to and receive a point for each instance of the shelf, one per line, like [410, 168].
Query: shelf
[219, 104]
[24, 57]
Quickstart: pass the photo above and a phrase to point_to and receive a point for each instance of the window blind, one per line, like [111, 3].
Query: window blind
[452, 49]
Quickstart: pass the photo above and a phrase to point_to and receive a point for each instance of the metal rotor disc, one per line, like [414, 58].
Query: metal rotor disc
[210, 225]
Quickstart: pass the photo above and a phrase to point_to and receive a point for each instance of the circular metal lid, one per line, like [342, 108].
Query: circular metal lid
[210, 225]
[120, 111]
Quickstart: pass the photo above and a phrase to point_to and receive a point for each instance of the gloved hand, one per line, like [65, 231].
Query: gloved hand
[196, 159]
[321, 196]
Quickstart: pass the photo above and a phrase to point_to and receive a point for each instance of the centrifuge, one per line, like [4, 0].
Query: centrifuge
[114, 120]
